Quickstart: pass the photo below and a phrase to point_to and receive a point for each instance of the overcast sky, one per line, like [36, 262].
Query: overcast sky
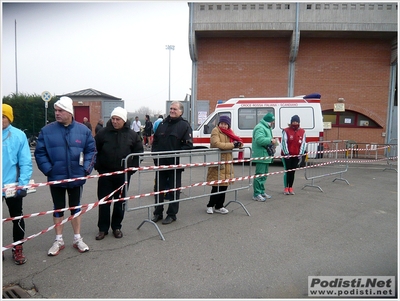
[118, 48]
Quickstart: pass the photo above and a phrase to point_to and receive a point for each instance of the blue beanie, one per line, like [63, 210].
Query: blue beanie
[225, 119]
[295, 118]
[269, 117]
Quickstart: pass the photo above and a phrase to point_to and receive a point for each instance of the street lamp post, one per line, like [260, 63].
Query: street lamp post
[16, 68]
[169, 48]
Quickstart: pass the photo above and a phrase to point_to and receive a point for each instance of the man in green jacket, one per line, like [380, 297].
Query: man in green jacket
[262, 137]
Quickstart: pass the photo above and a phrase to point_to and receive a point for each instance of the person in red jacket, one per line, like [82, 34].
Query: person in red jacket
[293, 146]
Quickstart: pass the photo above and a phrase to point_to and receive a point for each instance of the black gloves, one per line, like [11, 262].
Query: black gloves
[270, 149]
[236, 144]
[20, 193]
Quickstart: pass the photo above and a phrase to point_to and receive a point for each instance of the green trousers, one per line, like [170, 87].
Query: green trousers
[258, 183]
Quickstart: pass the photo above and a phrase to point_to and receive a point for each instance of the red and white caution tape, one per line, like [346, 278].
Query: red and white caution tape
[88, 207]
[85, 208]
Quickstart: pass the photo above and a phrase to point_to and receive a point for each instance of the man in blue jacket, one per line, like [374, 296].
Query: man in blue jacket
[157, 122]
[66, 149]
[16, 168]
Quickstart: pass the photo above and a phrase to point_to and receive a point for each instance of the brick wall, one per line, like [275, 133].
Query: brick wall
[251, 67]
[94, 111]
[356, 69]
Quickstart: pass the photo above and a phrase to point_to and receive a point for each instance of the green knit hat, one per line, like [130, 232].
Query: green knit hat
[269, 117]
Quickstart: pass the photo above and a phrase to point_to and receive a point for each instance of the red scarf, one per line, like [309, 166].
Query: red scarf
[231, 135]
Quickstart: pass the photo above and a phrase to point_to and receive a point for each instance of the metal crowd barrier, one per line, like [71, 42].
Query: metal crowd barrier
[391, 155]
[326, 158]
[195, 163]
[370, 150]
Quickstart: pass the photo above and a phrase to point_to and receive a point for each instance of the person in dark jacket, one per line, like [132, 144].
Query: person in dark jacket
[65, 150]
[99, 126]
[173, 133]
[147, 132]
[87, 123]
[114, 143]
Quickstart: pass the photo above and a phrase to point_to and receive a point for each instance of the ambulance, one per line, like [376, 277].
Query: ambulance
[245, 113]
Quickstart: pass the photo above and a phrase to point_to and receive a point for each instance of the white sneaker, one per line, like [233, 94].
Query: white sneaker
[266, 196]
[57, 246]
[259, 198]
[210, 210]
[222, 210]
[80, 245]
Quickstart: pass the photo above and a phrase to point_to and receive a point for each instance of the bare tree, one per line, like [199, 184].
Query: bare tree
[143, 111]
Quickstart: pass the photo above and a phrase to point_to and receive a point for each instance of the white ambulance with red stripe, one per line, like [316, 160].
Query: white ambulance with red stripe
[245, 113]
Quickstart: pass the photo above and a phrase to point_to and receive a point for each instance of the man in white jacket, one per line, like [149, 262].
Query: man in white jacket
[136, 126]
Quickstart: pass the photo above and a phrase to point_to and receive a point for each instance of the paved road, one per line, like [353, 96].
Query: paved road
[346, 230]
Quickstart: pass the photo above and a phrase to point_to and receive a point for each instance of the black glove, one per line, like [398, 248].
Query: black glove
[270, 149]
[20, 193]
[236, 144]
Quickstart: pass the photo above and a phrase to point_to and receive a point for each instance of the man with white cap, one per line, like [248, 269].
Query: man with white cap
[16, 168]
[114, 143]
[65, 150]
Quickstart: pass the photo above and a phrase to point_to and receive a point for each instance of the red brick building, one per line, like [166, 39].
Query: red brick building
[94, 105]
[263, 51]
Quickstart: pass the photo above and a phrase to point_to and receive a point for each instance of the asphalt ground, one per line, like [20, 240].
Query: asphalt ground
[346, 230]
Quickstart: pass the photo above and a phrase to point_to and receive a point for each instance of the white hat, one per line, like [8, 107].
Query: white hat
[65, 103]
[120, 112]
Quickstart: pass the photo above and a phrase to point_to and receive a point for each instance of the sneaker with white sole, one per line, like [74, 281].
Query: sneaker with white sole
[259, 198]
[266, 196]
[57, 246]
[222, 210]
[80, 245]
[18, 255]
[210, 210]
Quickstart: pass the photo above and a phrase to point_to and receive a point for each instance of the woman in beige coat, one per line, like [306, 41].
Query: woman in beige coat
[222, 137]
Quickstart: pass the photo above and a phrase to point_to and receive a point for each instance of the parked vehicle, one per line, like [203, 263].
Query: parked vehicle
[245, 113]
